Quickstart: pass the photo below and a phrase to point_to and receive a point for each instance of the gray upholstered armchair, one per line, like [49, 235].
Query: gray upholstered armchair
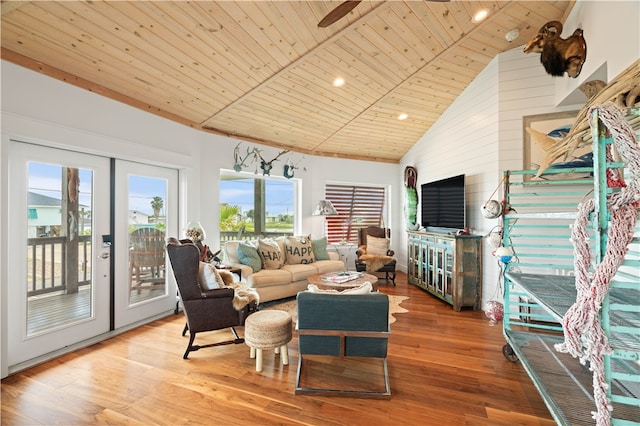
[343, 326]
[206, 310]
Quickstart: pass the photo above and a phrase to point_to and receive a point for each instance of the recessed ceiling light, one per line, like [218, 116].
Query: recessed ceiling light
[403, 116]
[338, 82]
[512, 35]
[480, 15]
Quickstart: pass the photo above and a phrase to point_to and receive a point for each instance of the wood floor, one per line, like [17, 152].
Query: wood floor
[445, 367]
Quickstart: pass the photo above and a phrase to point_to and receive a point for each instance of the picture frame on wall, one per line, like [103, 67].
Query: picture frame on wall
[556, 125]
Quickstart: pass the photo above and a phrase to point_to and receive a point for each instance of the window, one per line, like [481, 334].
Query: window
[256, 206]
[358, 207]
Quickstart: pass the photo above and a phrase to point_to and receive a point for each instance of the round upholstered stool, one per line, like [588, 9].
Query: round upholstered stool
[266, 330]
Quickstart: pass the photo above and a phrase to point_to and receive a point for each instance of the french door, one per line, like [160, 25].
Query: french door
[87, 248]
[146, 215]
[59, 262]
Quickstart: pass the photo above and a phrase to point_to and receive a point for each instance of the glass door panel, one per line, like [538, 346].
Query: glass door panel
[147, 225]
[59, 248]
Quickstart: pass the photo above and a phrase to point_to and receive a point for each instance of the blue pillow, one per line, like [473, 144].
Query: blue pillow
[320, 249]
[248, 255]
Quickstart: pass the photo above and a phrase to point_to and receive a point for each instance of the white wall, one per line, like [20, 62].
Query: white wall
[481, 133]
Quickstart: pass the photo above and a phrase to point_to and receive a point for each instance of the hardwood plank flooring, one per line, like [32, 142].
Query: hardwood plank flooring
[445, 367]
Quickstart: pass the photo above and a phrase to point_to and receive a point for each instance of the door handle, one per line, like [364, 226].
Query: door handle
[105, 255]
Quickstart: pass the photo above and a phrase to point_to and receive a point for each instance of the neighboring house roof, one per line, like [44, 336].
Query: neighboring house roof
[35, 199]
[38, 200]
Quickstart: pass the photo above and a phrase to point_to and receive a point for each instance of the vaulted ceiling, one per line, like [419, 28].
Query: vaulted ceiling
[262, 71]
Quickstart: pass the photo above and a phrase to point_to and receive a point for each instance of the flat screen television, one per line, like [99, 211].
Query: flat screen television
[443, 203]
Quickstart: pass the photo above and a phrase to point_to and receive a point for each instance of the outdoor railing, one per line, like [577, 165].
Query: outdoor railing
[47, 271]
[250, 236]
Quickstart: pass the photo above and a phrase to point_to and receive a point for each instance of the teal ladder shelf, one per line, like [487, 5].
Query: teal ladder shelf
[540, 288]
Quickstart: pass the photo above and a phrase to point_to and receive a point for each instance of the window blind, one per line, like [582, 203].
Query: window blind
[358, 207]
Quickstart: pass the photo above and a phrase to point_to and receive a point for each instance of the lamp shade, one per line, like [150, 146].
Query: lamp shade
[325, 208]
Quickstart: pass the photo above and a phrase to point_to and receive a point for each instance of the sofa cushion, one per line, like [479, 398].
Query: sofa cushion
[269, 277]
[231, 252]
[320, 249]
[270, 253]
[324, 266]
[248, 255]
[299, 250]
[301, 271]
[377, 246]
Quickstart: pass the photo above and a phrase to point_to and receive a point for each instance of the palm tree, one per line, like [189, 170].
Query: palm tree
[157, 204]
[229, 217]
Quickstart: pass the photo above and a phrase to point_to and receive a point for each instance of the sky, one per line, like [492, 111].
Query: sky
[280, 195]
[45, 179]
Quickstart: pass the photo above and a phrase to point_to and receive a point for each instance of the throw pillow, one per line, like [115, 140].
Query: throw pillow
[270, 253]
[320, 249]
[208, 277]
[377, 246]
[364, 288]
[299, 250]
[248, 255]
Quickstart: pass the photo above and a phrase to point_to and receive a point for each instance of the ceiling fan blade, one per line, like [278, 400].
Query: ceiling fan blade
[338, 12]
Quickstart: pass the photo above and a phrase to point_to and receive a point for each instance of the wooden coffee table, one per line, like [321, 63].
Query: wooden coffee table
[326, 285]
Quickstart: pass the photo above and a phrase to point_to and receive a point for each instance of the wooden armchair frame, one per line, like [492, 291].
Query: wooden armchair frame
[359, 322]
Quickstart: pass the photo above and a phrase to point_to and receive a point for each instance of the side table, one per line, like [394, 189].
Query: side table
[236, 271]
[343, 250]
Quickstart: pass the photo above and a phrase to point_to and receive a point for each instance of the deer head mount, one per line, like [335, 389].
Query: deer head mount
[265, 165]
[559, 55]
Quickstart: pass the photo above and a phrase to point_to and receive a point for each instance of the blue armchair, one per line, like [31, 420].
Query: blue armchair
[343, 326]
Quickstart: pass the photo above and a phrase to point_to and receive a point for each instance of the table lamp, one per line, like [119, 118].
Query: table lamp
[324, 208]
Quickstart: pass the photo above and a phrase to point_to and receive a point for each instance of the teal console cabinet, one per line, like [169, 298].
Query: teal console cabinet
[447, 266]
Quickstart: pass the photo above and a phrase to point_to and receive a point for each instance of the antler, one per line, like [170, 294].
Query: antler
[266, 166]
[238, 160]
[280, 154]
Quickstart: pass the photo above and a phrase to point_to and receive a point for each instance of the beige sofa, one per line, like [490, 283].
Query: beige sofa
[272, 284]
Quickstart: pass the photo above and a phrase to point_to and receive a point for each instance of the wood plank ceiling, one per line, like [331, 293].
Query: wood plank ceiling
[262, 71]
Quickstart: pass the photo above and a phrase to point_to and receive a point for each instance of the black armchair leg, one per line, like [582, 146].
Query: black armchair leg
[184, 331]
[393, 277]
[235, 333]
[190, 346]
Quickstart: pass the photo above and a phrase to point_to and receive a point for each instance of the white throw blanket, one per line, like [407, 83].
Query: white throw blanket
[242, 293]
